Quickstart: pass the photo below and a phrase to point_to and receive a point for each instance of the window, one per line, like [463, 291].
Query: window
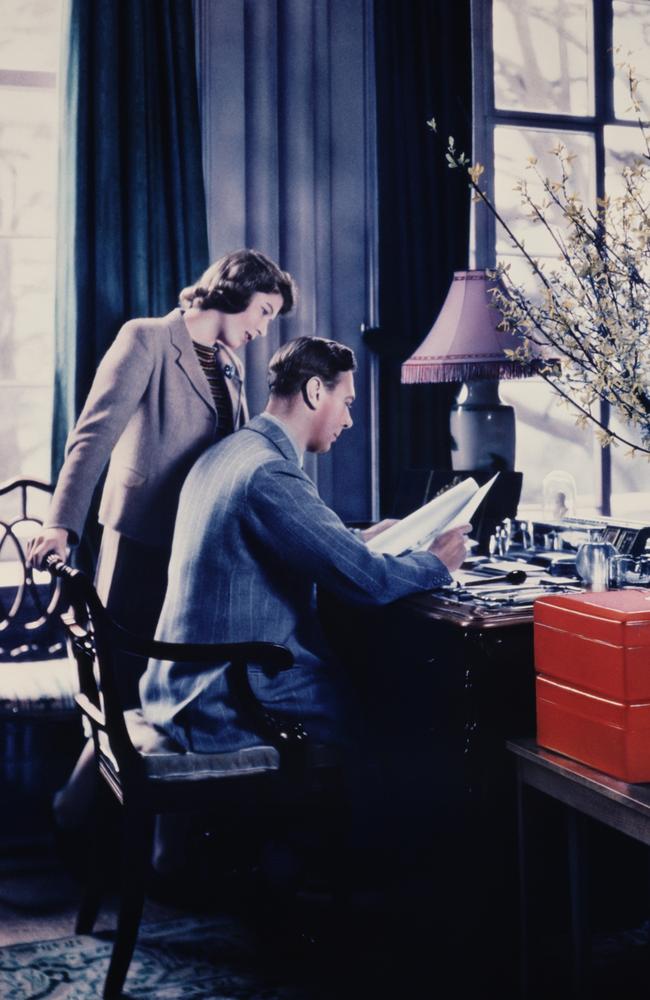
[29, 56]
[545, 70]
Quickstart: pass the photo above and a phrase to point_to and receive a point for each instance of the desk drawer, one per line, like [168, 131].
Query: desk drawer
[610, 735]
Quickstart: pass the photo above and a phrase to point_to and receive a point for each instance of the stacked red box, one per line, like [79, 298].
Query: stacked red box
[592, 658]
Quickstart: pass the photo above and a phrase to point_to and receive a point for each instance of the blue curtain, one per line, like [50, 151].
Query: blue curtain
[131, 224]
[423, 70]
[285, 88]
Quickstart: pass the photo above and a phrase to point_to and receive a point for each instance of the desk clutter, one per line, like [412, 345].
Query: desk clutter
[525, 560]
[592, 645]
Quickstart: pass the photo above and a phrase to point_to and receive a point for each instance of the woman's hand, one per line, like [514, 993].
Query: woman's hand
[450, 547]
[48, 540]
[376, 529]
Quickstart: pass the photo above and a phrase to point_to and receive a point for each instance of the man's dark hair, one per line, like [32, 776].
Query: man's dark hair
[297, 361]
[230, 283]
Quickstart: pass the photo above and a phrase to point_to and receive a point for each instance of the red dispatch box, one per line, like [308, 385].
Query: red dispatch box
[592, 657]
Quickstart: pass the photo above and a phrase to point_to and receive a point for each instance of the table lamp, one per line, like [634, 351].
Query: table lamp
[467, 344]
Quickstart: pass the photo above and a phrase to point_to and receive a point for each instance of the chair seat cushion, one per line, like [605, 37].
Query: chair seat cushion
[165, 760]
[38, 687]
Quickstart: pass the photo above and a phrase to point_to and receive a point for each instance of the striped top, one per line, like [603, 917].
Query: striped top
[216, 381]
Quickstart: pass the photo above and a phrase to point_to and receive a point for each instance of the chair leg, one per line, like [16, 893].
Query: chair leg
[89, 907]
[136, 852]
[103, 812]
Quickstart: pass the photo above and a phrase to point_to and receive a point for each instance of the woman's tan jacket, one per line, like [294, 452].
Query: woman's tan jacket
[151, 412]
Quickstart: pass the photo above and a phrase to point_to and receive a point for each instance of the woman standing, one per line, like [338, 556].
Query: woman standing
[166, 389]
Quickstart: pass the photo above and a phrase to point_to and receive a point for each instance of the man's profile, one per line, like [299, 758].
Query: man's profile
[252, 541]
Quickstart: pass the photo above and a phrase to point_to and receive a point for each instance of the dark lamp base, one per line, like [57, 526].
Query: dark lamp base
[482, 428]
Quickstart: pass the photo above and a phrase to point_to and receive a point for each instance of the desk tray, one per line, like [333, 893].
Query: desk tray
[598, 642]
[609, 735]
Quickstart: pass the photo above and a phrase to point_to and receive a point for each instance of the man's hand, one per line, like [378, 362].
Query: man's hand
[376, 529]
[450, 547]
[48, 540]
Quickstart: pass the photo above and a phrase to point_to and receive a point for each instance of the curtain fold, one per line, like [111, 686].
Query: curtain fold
[423, 70]
[285, 119]
[131, 216]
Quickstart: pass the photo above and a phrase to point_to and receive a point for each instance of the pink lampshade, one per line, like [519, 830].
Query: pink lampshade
[465, 341]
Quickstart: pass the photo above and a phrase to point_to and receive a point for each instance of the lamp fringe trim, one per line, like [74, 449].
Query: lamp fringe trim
[413, 373]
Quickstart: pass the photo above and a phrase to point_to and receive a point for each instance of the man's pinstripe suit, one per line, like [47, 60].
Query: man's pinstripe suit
[252, 541]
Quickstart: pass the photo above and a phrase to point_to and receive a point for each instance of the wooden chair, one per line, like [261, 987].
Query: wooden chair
[40, 734]
[148, 774]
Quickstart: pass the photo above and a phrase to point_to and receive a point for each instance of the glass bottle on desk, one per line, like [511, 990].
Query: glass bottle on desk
[559, 495]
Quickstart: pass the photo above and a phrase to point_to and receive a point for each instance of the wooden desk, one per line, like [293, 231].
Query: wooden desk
[585, 792]
[446, 674]
[441, 694]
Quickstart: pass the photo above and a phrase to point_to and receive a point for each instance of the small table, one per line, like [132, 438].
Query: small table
[585, 792]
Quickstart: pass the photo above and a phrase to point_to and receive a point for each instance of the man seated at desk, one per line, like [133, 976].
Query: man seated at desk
[252, 541]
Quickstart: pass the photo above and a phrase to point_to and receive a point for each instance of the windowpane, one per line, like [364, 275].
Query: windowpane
[631, 39]
[623, 146]
[544, 65]
[27, 162]
[522, 274]
[29, 60]
[543, 56]
[630, 477]
[513, 149]
[547, 439]
[27, 294]
[29, 35]
[630, 474]
[25, 422]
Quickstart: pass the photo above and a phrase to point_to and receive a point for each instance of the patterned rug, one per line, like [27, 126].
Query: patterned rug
[213, 958]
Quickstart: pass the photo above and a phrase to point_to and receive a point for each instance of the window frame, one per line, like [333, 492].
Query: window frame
[42, 81]
[486, 117]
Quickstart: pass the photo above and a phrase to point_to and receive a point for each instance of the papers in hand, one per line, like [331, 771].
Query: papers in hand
[449, 510]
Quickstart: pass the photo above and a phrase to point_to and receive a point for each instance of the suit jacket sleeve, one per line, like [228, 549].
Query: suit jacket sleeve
[307, 537]
[117, 388]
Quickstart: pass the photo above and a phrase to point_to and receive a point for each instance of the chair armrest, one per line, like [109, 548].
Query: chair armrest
[287, 736]
[271, 656]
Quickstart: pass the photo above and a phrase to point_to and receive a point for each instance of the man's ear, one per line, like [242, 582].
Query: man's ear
[311, 392]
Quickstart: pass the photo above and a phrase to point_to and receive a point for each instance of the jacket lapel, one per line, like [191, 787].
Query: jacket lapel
[186, 358]
[231, 366]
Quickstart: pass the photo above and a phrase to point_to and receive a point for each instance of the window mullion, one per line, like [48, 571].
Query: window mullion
[483, 127]
[603, 76]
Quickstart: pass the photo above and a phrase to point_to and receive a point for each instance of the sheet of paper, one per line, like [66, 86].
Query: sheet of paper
[465, 515]
[454, 507]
